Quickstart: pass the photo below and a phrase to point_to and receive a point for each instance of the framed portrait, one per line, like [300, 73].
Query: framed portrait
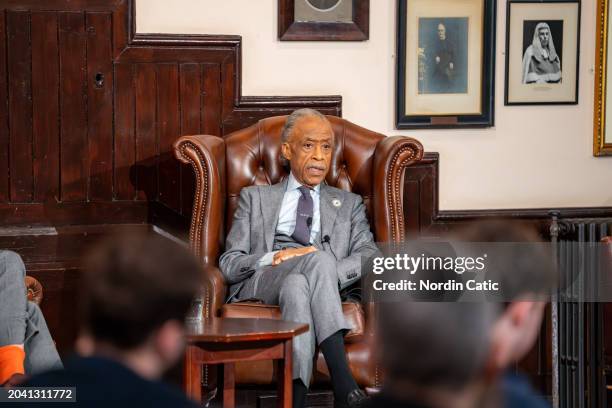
[323, 20]
[602, 127]
[445, 63]
[542, 52]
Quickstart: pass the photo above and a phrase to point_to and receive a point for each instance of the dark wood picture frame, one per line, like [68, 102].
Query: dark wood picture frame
[507, 101]
[482, 120]
[291, 30]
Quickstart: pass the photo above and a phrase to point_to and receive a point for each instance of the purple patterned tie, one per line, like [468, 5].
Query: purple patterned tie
[303, 217]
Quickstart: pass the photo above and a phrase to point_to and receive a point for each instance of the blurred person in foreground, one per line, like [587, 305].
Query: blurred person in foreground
[460, 354]
[433, 354]
[26, 346]
[136, 293]
[527, 275]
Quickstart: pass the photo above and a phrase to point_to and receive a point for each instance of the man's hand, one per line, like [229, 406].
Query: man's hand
[285, 254]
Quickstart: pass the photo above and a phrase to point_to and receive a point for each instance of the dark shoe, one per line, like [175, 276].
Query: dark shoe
[355, 399]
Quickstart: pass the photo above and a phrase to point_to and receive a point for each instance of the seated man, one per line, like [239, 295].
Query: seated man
[135, 296]
[295, 244]
[26, 346]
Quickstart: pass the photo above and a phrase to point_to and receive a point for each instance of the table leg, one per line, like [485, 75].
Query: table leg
[193, 373]
[229, 387]
[285, 376]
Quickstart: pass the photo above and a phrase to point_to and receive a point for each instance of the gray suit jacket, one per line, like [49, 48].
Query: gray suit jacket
[343, 220]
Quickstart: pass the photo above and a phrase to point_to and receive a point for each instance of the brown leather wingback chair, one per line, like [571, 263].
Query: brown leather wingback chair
[364, 162]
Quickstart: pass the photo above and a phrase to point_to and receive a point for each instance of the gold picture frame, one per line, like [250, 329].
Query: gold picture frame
[602, 136]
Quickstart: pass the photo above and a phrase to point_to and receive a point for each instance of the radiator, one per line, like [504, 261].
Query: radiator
[578, 372]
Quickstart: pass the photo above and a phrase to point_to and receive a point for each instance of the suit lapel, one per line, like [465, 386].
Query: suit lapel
[329, 206]
[271, 200]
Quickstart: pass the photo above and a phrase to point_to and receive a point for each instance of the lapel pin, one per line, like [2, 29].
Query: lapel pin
[336, 203]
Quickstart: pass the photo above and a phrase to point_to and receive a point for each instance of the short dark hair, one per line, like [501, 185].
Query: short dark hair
[435, 344]
[527, 270]
[133, 285]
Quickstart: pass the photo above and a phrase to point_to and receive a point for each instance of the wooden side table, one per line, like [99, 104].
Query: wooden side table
[227, 341]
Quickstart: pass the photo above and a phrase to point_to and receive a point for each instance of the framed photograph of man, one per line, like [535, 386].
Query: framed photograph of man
[542, 49]
[443, 45]
[323, 20]
[602, 122]
[445, 63]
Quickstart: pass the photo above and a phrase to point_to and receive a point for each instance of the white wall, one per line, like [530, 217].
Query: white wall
[534, 157]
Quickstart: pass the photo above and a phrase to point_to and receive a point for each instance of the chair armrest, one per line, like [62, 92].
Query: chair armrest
[393, 154]
[34, 290]
[206, 154]
[214, 291]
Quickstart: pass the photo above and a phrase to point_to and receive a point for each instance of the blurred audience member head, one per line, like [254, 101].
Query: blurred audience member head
[529, 278]
[137, 291]
[434, 353]
[454, 354]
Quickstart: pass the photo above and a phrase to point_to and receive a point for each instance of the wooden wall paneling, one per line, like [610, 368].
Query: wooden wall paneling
[190, 103]
[147, 146]
[45, 107]
[4, 113]
[60, 304]
[254, 108]
[420, 198]
[125, 156]
[412, 192]
[124, 22]
[228, 88]
[100, 105]
[67, 5]
[168, 116]
[20, 106]
[166, 53]
[70, 213]
[88, 143]
[74, 156]
[211, 100]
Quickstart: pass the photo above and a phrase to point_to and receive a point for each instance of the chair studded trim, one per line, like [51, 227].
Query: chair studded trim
[404, 157]
[188, 153]
[206, 156]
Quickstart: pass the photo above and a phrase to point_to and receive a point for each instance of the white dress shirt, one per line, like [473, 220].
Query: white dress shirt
[286, 215]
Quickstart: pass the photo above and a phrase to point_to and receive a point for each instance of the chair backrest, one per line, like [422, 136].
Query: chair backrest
[253, 158]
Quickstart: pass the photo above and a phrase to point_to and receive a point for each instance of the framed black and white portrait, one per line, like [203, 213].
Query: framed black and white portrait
[323, 20]
[443, 50]
[542, 49]
[445, 64]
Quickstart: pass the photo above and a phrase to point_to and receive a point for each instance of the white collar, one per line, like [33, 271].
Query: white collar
[293, 184]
